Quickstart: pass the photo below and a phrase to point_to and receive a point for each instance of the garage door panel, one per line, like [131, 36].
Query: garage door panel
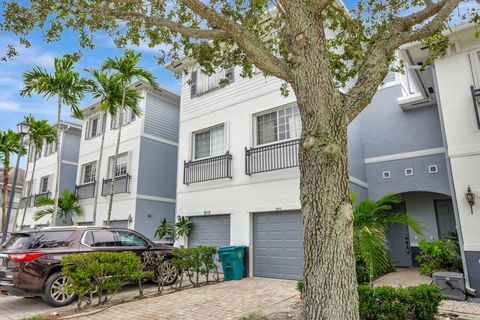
[210, 231]
[278, 245]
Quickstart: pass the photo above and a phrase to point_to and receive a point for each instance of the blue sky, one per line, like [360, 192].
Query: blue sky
[13, 107]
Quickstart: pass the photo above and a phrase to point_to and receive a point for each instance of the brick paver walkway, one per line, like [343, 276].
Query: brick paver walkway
[226, 300]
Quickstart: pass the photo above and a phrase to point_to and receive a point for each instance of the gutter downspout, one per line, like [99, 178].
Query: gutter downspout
[451, 182]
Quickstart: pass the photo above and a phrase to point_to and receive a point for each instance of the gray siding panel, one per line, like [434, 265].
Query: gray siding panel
[356, 163]
[387, 129]
[278, 245]
[149, 214]
[421, 180]
[161, 118]
[157, 174]
[71, 146]
[68, 174]
[473, 264]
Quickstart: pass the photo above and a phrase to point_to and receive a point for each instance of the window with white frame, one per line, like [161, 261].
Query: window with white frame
[34, 153]
[201, 83]
[94, 127]
[44, 184]
[126, 116]
[386, 175]
[409, 172]
[278, 125]
[89, 172]
[50, 148]
[121, 169]
[209, 143]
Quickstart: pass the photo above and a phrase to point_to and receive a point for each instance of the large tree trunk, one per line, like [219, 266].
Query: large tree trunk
[25, 192]
[59, 162]
[329, 275]
[97, 175]
[30, 187]
[6, 165]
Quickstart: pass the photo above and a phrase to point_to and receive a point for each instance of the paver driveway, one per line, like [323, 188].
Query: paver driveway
[226, 300]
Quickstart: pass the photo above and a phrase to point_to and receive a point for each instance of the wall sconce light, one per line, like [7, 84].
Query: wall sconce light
[130, 219]
[470, 196]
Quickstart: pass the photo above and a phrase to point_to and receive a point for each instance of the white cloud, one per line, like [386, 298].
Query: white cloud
[10, 106]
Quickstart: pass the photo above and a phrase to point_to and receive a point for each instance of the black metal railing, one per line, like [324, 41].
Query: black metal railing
[40, 195]
[271, 157]
[476, 103]
[86, 191]
[122, 185]
[25, 202]
[213, 168]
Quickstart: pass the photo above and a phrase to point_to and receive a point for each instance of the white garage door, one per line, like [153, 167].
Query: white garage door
[278, 245]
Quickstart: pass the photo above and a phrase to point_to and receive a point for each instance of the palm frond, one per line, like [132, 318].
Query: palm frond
[42, 213]
[44, 201]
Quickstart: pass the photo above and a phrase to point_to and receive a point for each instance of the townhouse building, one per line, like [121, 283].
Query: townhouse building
[18, 190]
[238, 177]
[43, 181]
[146, 166]
[455, 82]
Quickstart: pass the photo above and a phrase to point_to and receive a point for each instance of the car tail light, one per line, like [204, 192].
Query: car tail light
[24, 257]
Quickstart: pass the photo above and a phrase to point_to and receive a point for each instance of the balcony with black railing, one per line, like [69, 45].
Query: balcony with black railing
[122, 185]
[218, 167]
[40, 195]
[476, 104]
[85, 191]
[277, 156]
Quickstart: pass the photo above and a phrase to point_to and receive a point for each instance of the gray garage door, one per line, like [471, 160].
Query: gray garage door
[278, 245]
[210, 231]
[118, 223]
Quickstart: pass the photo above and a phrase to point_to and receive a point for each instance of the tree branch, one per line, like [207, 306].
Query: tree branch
[418, 17]
[375, 65]
[251, 45]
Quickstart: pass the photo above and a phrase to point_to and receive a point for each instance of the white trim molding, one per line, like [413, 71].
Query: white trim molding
[154, 198]
[70, 162]
[358, 182]
[405, 155]
[151, 137]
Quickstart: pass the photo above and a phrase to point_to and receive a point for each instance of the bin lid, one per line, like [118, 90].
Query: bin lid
[230, 248]
[446, 274]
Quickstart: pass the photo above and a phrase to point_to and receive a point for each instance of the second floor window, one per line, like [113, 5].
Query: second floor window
[121, 169]
[89, 171]
[44, 185]
[126, 116]
[282, 124]
[94, 127]
[50, 148]
[34, 153]
[209, 143]
[201, 83]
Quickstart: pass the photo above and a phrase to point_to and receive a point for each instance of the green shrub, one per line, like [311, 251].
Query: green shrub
[414, 303]
[301, 286]
[195, 262]
[100, 273]
[438, 255]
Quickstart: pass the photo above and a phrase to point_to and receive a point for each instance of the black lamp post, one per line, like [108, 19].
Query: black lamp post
[23, 128]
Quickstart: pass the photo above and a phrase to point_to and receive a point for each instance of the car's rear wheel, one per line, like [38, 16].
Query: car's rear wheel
[55, 292]
[170, 274]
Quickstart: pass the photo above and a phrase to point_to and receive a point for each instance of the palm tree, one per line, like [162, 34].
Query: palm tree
[371, 219]
[9, 144]
[67, 206]
[165, 230]
[41, 132]
[128, 70]
[109, 90]
[68, 87]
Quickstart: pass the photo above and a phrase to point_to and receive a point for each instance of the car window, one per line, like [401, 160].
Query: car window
[88, 239]
[18, 241]
[130, 239]
[52, 239]
[104, 238]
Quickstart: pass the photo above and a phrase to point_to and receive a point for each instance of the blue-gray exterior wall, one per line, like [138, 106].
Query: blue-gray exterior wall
[149, 214]
[161, 118]
[356, 156]
[362, 192]
[71, 146]
[157, 175]
[388, 129]
[68, 174]
[421, 180]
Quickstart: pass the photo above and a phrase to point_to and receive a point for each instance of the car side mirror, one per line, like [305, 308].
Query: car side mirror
[149, 246]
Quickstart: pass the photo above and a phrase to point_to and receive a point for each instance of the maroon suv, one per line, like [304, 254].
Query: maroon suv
[30, 260]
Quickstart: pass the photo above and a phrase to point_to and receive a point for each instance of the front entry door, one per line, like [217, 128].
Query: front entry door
[445, 218]
[399, 240]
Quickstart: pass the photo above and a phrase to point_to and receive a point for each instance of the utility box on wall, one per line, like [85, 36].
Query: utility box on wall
[451, 285]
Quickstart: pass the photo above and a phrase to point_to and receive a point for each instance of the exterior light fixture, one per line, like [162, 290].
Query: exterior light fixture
[23, 128]
[476, 103]
[130, 219]
[470, 196]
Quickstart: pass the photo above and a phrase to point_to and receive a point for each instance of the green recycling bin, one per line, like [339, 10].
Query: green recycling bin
[232, 261]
